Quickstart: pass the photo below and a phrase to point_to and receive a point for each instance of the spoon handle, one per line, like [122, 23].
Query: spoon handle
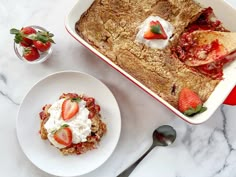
[128, 170]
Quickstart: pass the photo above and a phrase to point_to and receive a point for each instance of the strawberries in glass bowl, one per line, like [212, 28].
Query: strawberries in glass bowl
[32, 44]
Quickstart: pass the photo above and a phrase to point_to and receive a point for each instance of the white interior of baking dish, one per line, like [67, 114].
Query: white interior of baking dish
[223, 11]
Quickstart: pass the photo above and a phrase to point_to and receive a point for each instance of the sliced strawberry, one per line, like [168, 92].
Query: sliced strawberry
[91, 114]
[91, 106]
[63, 136]
[190, 103]
[70, 108]
[92, 111]
[97, 108]
[90, 101]
[69, 95]
[44, 113]
[155, 31]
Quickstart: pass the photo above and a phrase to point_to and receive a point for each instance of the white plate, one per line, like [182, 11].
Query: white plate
[222, 10]
[48, 90]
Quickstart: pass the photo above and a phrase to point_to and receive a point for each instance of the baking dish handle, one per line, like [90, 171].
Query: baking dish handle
[231, 99]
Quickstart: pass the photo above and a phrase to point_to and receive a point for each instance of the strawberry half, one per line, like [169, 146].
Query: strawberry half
[63, 136]
[70, 107]
[190, 103]
[155, 31]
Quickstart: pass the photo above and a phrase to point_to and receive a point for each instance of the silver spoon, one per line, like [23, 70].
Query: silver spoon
[162, 136]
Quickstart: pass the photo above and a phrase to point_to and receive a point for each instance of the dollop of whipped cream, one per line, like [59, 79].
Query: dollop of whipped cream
[80, 125]
[154, 43]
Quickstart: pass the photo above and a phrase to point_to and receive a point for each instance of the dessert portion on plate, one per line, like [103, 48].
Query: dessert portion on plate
[72, 124]
[152, 41]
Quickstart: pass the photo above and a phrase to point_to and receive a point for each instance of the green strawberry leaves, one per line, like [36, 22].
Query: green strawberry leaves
[192, 111]
[43, 36]
[18, 36]
[14, 31]
[75, 99]
[156, 29]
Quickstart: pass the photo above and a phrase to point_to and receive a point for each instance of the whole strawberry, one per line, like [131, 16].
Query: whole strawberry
[190, 103]
[43, 40]
[31, 53]
[22, 36]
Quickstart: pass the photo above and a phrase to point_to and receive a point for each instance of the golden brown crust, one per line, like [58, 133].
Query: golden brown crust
[111, 26]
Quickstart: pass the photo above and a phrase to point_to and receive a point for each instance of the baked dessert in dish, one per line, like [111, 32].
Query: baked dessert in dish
[72, 124]
[112, 27]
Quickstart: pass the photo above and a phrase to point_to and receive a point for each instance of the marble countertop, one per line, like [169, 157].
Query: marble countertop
[207, 150]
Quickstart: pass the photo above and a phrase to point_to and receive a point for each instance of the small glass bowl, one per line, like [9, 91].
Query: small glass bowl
[43, 55]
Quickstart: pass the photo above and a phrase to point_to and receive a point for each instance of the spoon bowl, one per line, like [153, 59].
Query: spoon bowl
[164, 135]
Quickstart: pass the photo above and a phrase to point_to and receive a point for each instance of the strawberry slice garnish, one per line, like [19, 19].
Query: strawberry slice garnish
[63, 135]
[70, 107]
[190, 103]
[155, 31]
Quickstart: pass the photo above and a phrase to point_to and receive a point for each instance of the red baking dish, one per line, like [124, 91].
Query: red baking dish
[224, 12]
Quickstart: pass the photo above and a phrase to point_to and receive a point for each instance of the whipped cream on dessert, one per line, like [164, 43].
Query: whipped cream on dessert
[154, 43]
[80, 125]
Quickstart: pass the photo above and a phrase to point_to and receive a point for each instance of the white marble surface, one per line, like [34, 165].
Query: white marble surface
[207, 150]
[209, 154]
